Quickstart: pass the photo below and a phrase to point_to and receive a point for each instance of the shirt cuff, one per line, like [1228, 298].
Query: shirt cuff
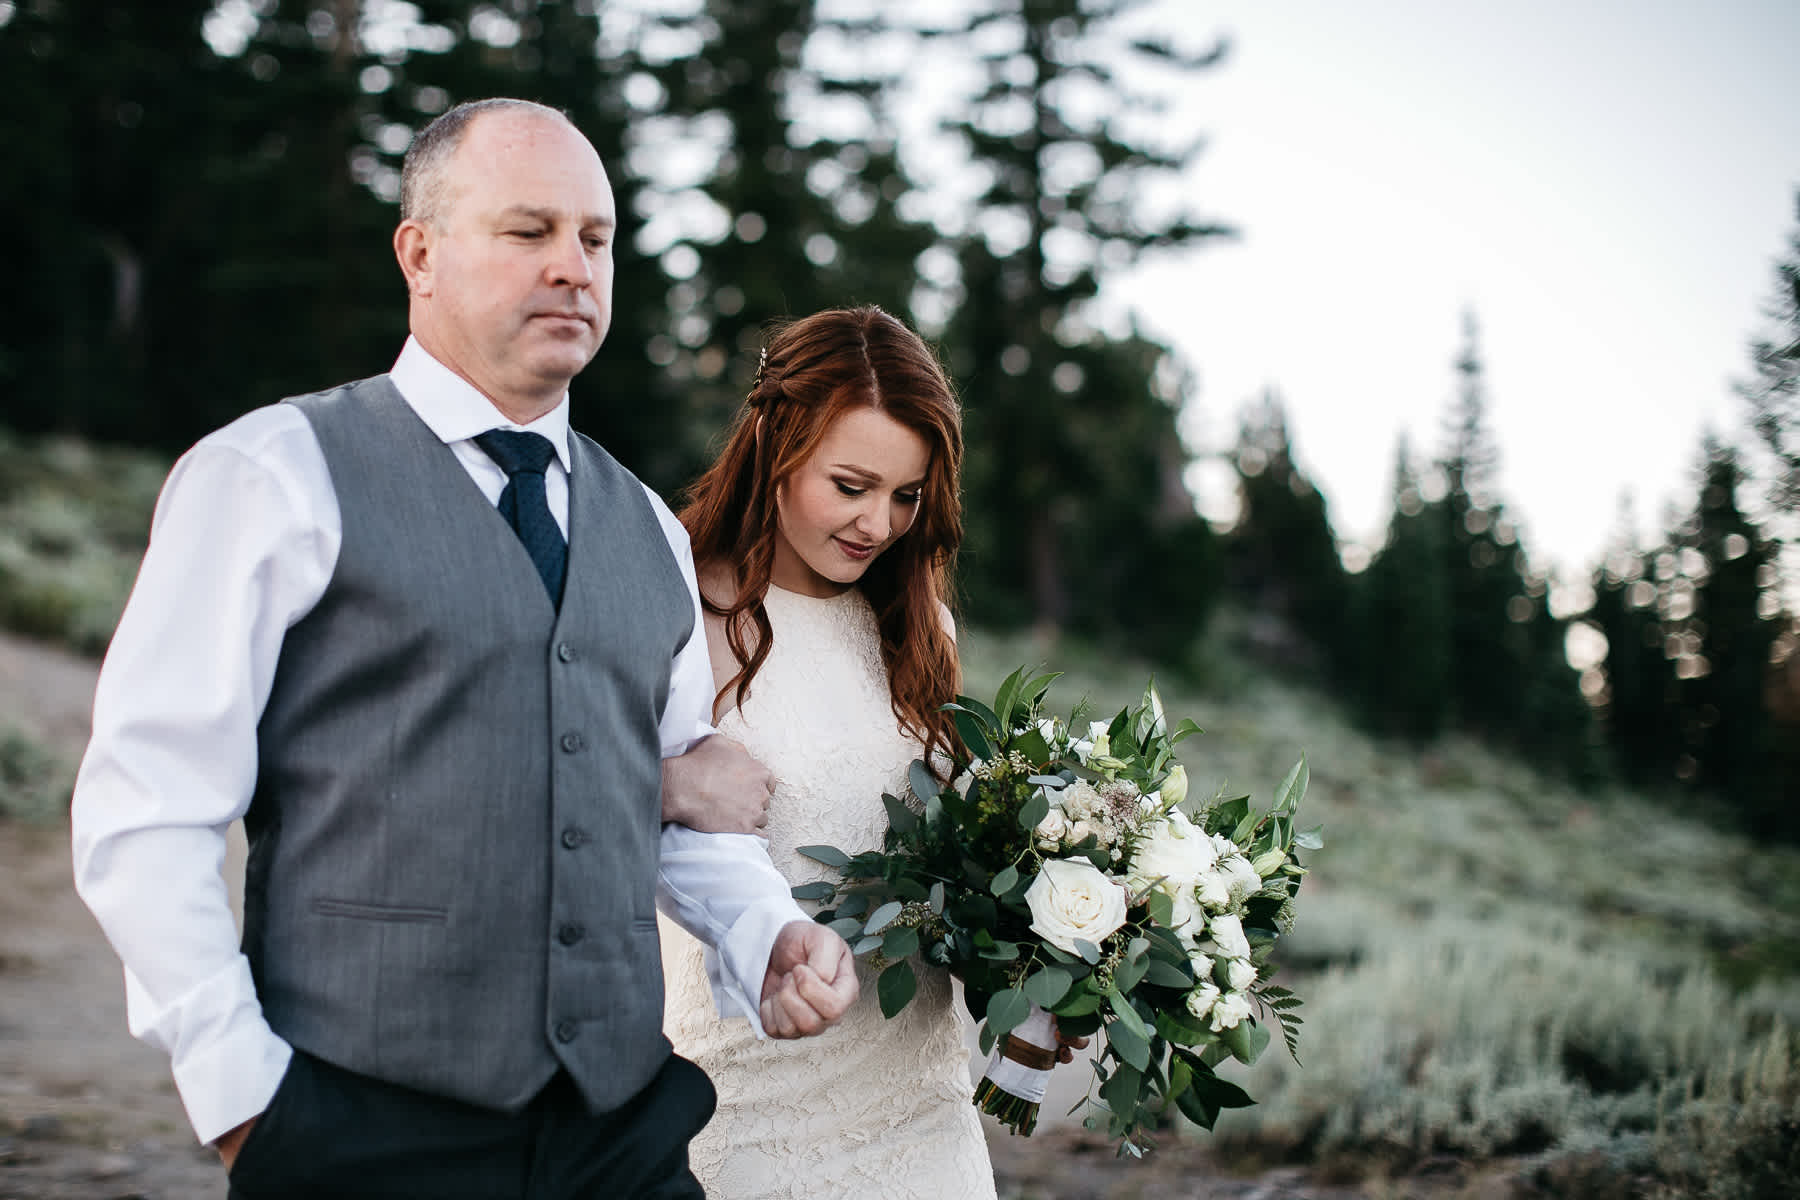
[226, 1061]
[737, 967]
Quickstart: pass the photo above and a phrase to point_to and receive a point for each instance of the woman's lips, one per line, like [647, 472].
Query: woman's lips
[855, 550]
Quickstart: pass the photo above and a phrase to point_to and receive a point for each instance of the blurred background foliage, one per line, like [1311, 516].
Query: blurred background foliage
[196, 215]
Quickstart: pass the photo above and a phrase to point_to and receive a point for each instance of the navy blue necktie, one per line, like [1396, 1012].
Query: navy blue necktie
[524, 456]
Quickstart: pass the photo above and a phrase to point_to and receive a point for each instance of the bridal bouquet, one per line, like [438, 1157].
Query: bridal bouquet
[1066, 880]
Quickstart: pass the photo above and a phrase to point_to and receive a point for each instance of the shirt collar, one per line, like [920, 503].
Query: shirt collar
[455, 410]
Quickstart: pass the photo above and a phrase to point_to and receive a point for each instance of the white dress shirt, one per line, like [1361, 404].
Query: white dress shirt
[243, 543]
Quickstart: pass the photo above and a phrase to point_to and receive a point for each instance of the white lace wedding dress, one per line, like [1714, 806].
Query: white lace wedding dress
[871, 1107]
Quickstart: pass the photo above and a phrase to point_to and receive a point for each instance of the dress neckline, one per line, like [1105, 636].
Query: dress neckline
[803, 597]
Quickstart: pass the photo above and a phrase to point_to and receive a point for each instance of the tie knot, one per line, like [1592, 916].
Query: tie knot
[516, 451]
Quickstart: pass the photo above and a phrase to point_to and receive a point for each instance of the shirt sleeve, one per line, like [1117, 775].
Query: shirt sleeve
[242, 544]
[720, 887]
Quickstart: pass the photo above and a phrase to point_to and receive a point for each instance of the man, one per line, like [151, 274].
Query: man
[432, 648]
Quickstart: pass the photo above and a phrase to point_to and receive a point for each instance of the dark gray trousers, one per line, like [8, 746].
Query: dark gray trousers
[330, 1133]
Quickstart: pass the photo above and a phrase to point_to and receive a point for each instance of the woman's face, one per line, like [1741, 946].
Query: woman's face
[842, 507]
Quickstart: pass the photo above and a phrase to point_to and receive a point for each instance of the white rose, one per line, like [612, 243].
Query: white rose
[1081, 801]
[1241, 879]
[1202, 964]
[1228, 934]
[1240, 973]
[1171, 854]
[1081, 831]
[1214, 889]
[1187, 919]
[1070, 899]
[1223, 846]
[1231, 1008]
[1200, 1001]
[1052, 829]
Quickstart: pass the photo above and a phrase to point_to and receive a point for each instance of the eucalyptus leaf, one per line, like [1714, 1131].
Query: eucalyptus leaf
[883, 916]
[1003, 882]
[924, 784]
[1053, 782]
[1310, 839]
[1163, 973]
[936, 900]
[900, 818]
[1128, 1016]
[900, 941]
[1047, 986]
[831, 856]
[1078, 1003]
[1006, 1010]
[1127, 974]
[1128, 1045]
[895, 988]
[1035, 809]
[1121, 1091]
[814, 891]
[864, 945]
[1162, 909]
[846, 927]
[1089, 952]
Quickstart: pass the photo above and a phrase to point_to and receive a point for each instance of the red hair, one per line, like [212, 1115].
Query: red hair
[815, 369]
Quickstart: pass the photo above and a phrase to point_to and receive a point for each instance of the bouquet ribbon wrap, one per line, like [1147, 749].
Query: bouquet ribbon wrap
[1022, 1062]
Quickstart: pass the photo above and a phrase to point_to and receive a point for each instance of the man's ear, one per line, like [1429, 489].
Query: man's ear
[413, 247]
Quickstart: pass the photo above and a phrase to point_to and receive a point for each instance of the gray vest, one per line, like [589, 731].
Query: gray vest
[453, 840]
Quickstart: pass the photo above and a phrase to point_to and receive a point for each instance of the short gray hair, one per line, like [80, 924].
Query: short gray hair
[422, 171]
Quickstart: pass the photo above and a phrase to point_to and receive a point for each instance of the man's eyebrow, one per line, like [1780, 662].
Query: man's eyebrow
[548, 216]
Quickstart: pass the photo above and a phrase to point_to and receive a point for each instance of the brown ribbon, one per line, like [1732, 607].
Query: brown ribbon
[1028, 1055]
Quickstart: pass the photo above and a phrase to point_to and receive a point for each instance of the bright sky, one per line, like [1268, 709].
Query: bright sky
[1607, 184]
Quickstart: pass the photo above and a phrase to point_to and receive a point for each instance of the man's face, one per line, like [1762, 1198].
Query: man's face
[517, 292]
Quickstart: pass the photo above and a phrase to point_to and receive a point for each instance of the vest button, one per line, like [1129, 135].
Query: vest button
[570, 933]
[567, 1031]
[573, 743]
[573, 838]
[566, 652]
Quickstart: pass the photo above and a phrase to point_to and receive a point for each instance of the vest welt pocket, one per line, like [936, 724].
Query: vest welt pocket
[364, 910]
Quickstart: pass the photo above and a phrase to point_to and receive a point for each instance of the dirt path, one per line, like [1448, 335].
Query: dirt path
[85, 1110]
[89, 1113]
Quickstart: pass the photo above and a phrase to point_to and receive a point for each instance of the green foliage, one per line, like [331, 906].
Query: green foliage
[1733, 1132]
[34, 782]
[73, 522]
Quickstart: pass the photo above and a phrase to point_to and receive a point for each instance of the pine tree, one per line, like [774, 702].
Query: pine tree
[1638, 704]
[788, 218]
[1402, 622]
[1052, 133]
[1727, 634]
[1284, 564]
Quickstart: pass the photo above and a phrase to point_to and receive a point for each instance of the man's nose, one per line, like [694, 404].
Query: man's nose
[569, 265]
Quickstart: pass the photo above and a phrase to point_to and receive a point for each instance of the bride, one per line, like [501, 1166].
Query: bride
[823, 535]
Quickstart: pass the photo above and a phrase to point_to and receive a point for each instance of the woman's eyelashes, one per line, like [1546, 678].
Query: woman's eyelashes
[852, 490]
